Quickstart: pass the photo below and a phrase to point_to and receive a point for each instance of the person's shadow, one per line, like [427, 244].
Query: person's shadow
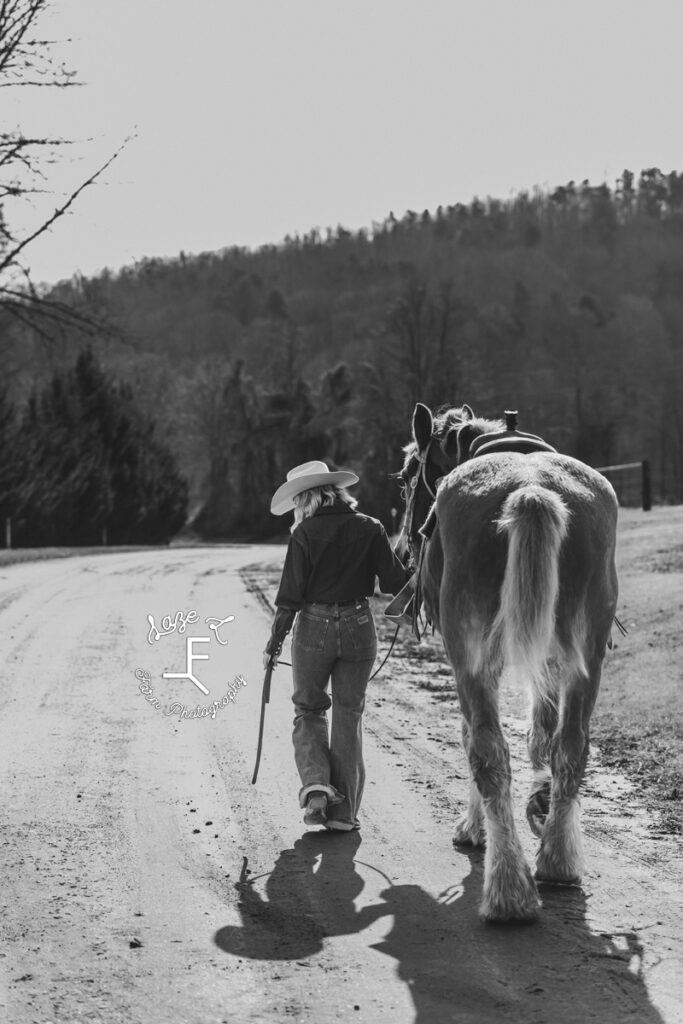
[303, 906]
[457, 969]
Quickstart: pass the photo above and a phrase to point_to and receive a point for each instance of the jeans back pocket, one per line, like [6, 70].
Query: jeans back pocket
[310, 632]
[359, 632]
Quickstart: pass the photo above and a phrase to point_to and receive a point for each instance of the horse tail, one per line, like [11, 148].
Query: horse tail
[536, 521]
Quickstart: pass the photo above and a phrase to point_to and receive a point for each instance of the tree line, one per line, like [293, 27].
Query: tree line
[80, 463]
[565, 303]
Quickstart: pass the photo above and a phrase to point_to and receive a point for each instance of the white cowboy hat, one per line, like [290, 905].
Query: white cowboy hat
[302, 478]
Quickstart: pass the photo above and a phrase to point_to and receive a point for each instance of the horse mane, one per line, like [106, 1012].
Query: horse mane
[448, 422]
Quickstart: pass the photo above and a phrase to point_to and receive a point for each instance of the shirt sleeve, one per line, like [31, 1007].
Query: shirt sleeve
[284, 617]
[291, 593]
[390, 571]
[297, 569]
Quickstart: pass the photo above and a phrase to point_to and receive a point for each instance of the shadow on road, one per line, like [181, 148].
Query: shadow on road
[303, 906]
[457, 969]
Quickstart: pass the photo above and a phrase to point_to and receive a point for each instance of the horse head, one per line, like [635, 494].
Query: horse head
[440, 444]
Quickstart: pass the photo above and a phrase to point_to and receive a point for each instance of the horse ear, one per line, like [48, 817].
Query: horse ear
[467, 413]
[465, 436]
[423, 426]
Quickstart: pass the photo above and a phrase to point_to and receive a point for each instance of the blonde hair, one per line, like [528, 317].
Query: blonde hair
[307, 503]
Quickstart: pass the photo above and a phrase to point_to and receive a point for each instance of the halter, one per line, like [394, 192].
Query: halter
[421, 474]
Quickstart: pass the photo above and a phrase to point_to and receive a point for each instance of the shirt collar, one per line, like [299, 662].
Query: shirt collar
[339, 506]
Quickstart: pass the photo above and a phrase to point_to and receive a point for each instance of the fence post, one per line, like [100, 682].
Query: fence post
[8, 532]
[647, 487]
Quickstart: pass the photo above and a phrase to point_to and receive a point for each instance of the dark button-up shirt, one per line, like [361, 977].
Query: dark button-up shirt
[334, 555]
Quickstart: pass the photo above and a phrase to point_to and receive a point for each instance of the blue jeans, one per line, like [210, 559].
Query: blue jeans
[337, 644]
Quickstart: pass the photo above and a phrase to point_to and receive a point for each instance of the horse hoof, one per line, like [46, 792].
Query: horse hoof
[537, 810]
[557, 870]
[523, 911]
[550, 877]
[510, 893]
[536, 822]
[467, 833]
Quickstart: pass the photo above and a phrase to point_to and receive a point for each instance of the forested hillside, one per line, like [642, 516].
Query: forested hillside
[565, 304]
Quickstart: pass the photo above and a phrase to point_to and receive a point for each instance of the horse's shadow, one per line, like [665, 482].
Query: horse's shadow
[456, 968]
[459, 970]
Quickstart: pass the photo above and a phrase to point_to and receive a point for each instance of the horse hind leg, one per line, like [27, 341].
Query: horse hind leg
[470, 828]
[560, 858]
[509, 890]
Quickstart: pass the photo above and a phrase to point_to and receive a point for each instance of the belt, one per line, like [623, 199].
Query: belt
[339, 604]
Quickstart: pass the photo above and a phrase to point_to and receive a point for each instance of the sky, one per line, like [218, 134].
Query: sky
[248, 120]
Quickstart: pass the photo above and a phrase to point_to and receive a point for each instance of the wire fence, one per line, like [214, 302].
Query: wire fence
[631, 481]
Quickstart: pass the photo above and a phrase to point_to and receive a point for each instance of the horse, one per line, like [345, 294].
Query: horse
[516, 568]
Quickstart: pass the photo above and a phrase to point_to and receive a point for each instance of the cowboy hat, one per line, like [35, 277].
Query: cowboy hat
[302, 478]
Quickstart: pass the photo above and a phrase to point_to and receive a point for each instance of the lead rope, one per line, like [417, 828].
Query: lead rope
[386, 656]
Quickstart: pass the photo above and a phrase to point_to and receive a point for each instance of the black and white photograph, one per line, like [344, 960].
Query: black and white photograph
[341, 512]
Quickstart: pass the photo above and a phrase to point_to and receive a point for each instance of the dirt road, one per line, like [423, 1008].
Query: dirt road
[146, 880]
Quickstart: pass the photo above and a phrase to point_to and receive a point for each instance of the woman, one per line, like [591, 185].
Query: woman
[333, 557]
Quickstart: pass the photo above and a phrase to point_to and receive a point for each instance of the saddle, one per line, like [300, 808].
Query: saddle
[509, 440]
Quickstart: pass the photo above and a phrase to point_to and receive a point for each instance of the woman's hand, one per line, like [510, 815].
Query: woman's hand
[266, 659]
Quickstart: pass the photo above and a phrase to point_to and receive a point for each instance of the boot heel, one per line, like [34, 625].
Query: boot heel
[316, 809]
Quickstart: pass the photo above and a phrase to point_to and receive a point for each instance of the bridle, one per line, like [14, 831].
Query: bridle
[411, 495]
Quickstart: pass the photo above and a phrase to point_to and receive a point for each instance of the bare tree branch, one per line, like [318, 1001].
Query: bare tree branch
[11, 258]
[25, 59]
